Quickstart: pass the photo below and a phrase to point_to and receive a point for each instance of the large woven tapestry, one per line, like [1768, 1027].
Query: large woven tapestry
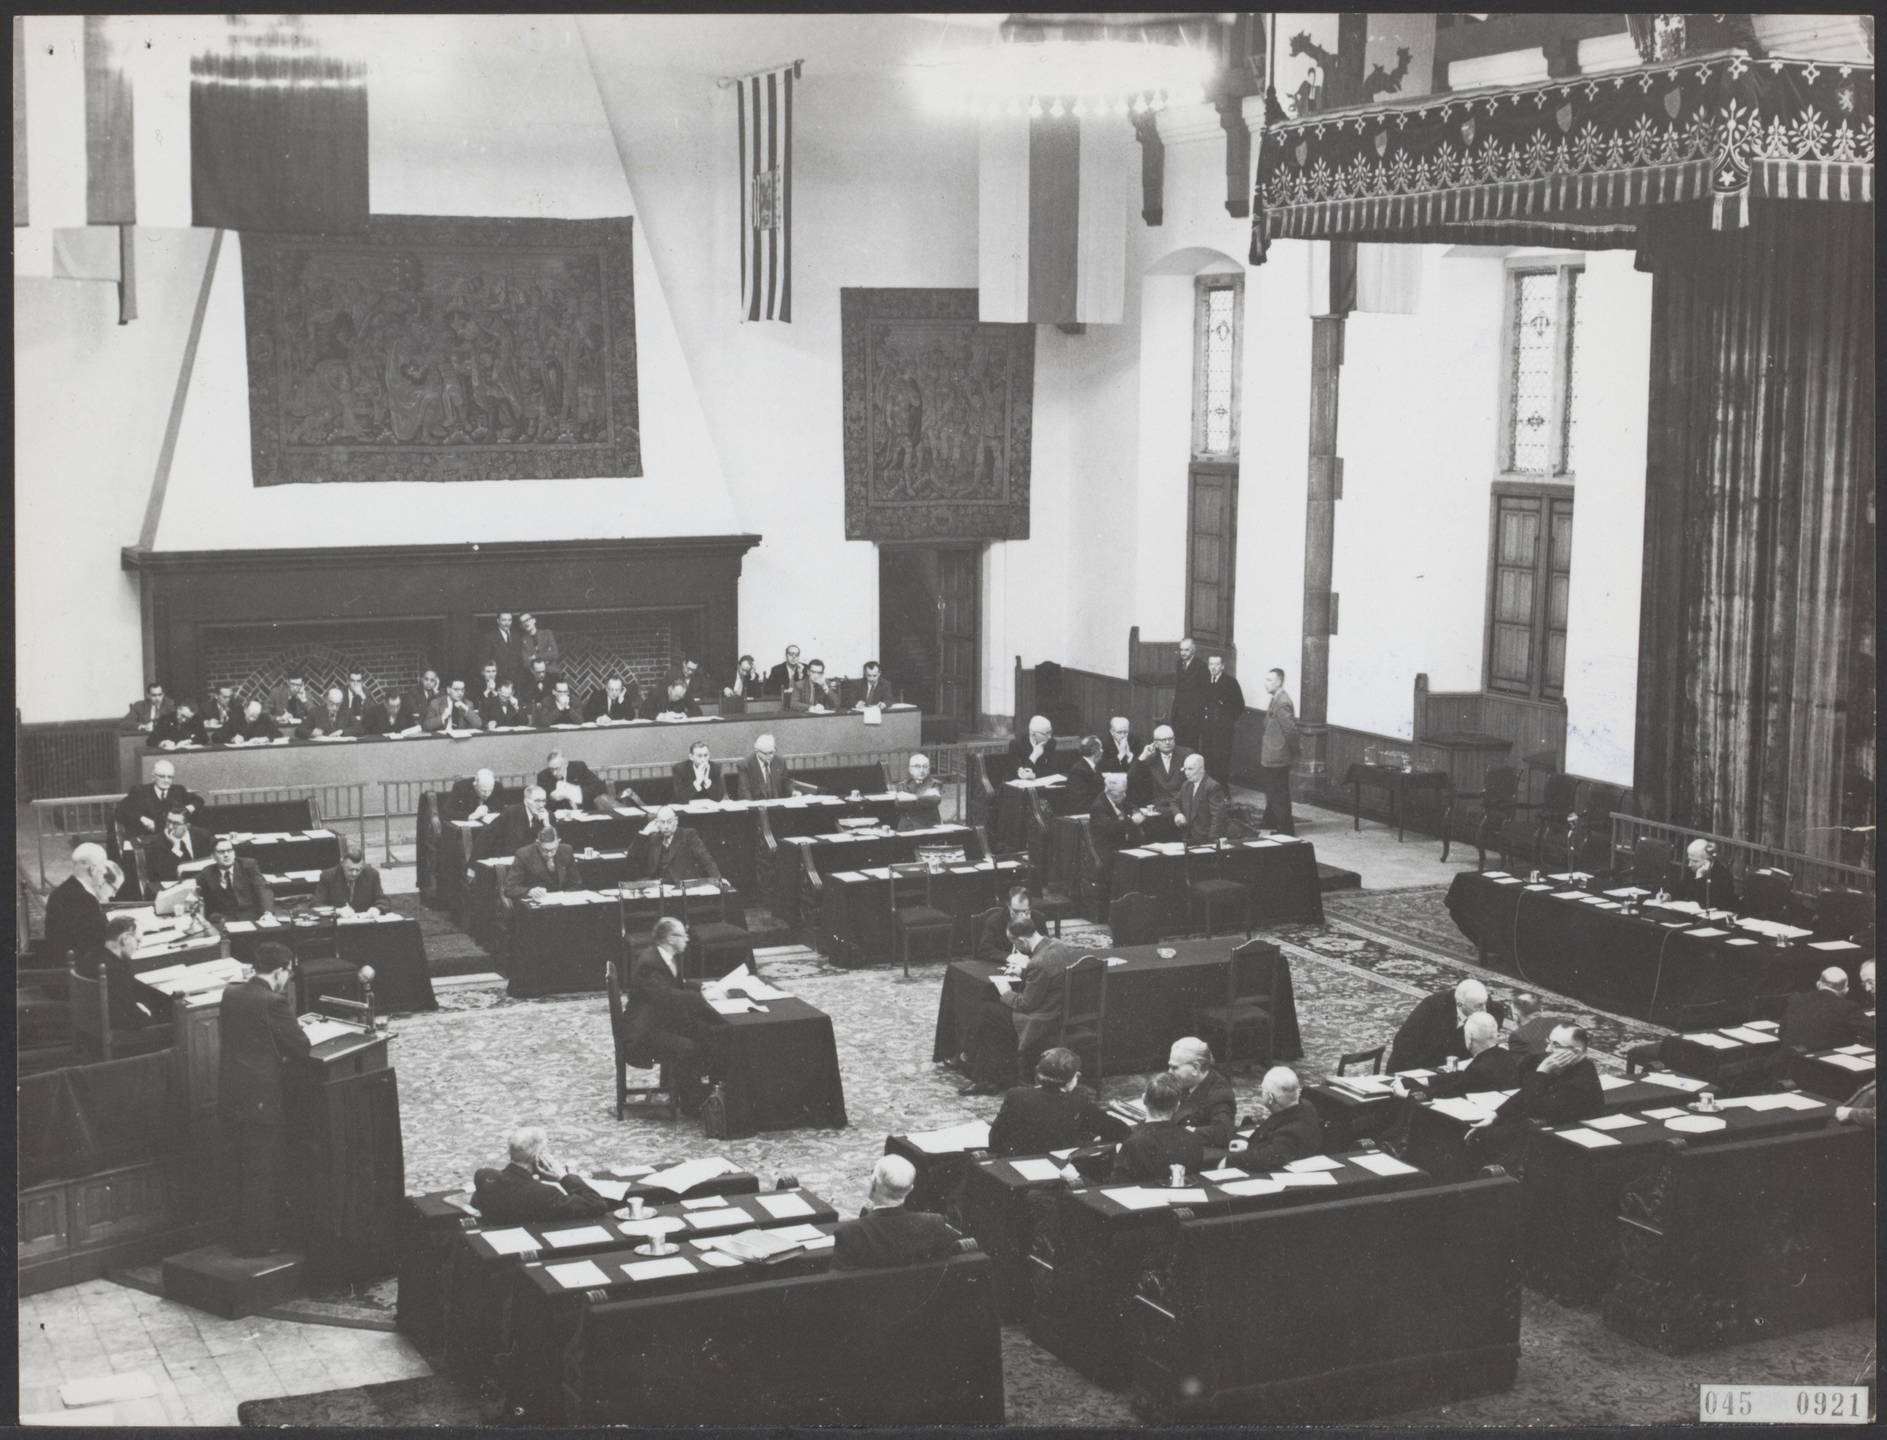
[938, 409]
[443, 349]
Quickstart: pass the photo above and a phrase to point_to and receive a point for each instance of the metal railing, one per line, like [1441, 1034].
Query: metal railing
[68, 817]
[329, 805]
[1809, 874]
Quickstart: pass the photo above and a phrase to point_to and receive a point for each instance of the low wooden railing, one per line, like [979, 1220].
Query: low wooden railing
[71, 757]
[1809, 874]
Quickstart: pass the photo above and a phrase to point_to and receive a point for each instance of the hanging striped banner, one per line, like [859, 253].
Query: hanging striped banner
[765, 106]
[1052, 220]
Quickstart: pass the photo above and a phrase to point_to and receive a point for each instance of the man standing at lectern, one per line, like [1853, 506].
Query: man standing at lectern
[257, 1033]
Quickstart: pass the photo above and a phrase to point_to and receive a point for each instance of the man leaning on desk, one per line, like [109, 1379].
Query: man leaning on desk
[330, 719]
[1160, 1142]
[698, 777]
[534, 1186]
[476, 797]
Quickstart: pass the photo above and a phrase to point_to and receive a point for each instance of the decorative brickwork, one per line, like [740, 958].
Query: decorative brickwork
[595, 647]
[256, 660]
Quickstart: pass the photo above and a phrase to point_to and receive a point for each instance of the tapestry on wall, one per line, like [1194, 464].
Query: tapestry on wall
[443, 348]
[938, 410]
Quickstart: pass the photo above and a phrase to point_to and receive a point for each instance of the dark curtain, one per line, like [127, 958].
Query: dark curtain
[1757, 635]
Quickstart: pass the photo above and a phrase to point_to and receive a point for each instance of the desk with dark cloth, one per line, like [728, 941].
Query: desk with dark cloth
[1400, 784]
[1634, 965]
[277, 852]
[1573, 1189]
[1722, 1056]
[998, 1213]
[563, 949]
[854, 924]
[1150, 1003]
[1834, 1074]
[1089, 1257]
[805, 862]
[394, 947]
[1280, 872]
[601, 870]
[779, 1069]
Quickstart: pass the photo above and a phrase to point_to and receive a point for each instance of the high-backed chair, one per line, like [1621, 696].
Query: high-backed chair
[1208, 892]
[1769, 893]
[93, 1034]
[1249, 1010]
[914, 916]
[1486, 810]
[1083, 1012]
[646, 1097]
[1651, 863]
[717, 944]
[1135, 918]
[1842, 913]
[1556, 819]
[1051, 902]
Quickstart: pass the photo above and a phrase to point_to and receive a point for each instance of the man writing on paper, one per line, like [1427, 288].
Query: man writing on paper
[255, 727]
[664, 1016]
[534, 1186]
[885, 1233]
[392, 716]
[672, 704]
[1153, 1147]
[546, 864]
[1290, 1130]
[673, 854]
[476, 797]
[258, 1036]
[353, 885]
[330, 718]
[697, 777]
[181, 726]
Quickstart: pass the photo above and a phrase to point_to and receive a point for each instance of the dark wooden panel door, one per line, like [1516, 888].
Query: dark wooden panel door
[930, 626]
[959, 633]
[1211, 552]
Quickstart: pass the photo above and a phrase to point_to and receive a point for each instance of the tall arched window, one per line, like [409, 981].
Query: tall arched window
[1212, 499]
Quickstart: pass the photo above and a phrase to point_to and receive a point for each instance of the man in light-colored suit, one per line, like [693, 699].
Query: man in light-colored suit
[1278, 754]
[1200, 809]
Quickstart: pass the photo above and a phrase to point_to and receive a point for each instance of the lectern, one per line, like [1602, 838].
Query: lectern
[346, 1165]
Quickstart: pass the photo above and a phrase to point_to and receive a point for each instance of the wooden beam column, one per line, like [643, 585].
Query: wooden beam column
[1320, 517]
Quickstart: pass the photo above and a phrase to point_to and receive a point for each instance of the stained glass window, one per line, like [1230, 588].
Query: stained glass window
[1573, 406]
[1215, 378]
[1543, 372]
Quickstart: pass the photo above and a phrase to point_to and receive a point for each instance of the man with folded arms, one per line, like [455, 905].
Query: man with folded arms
[328, 720]
[1208, 1104]
[558, 709]
[233, 888]
[672, 704]
[180, 727]
[352, 885]
[144, 714]
[546, 864]
[917, 786]
[569, 784]
[179, 845]
[475, 797]
[1153, 1147]
[672, 854]
[697, 777]
[519, 824]
[451, 711]
[533, 1186]
[1290, 1130]
[1054, 1113]
[392, 716]
[1202, 804]
[255, 727]
[614, 704]
[886, 1234]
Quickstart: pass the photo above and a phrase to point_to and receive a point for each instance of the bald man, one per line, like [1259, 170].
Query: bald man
[1433, 1030]
[1202, 805]
[1490, 1065]
[1290, 1130]
[141, 813]
[1208, 1104]
[75, 910]
[1034, 752]
[534, 1186]
[1706, 880]
[885, 1233]
[477, 797]
[1822, 1018]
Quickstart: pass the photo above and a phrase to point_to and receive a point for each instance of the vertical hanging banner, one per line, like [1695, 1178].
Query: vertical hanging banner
[1052, 220]
[764, 105]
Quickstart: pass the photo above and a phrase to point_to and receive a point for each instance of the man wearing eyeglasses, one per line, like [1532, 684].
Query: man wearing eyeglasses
[1560, 1089]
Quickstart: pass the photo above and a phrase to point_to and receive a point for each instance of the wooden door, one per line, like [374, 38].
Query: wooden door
[930, 626]
[1211, 552]
[959, 633]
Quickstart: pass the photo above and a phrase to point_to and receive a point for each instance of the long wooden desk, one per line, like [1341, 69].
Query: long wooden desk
[370, 760]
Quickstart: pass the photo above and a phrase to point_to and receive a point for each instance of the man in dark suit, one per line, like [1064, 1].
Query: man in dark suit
[182, 726]
[1290, 1130]
[357, 700]
[921, 790]
[694, 680]
[1189, 695]
[786, 674]
[538, 643]
[352, 885]
[993, 943]
[1277, 753]
[698, 777]
[234, 889]
[1706, 879]
[503, 712]
[291, 702]
[615, 703]
[885, 1233]
[258, 1036]
[1432, 1031]
[809, 692]
[134, 1004]
[569, 784]
[257, 726]
[220, 710]
[763, 776]
[673, 854]
[500, 646]
[1491, 1065]
[1036, 1007]
[546, 864]
[664, 1016]
[534, 686]
[748, 683]
[874, 689]
[1531, 1028]
[559, 708]
[1151, 1150]
[1121, 749]
[1113, 827]
[477, 796]
[142, 812]
[991, 1049]
[1822, 1018]
[1055, 1112]
[451, 711]
[1559, 1090]
[1083, 786]
[391, 716]
[671, 703]
[1201, 807]
[1154, 783]
[75, 910]
[519, 824]
[165, 855]
[144, 714]
[1224, 702]
[485, 694]
[534, 1186]
[419, 699]
[1034, 752]
[328, 718]
[1208, 1104]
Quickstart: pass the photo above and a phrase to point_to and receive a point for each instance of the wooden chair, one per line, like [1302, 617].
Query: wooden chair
[1842, 913]
[1250, 1008]
[914, 916]
[1083, 1012]
[715, 942]
[645, 1097]
[1135, 918]
[1371, 1058]
[981, 919]
[93, 1034]
[1651, 865]
[1489, 808]
[1050, 902]
[1208, 891]
[1558, 815]
[1769, 893]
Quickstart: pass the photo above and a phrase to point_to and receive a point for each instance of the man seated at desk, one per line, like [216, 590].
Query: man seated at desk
[747, 684]
[614, 704]
[331, 718]
[534, 1186]
[503, 711]
[993, 943]
[476, 797]
[1153, 1147]
[352, 885]
[1823, 1018]
[391, 716]
[518, 824]
[1057, 1111]
[1034, 753]
[357, 700]
[663, 1016]
[546, 864]
[1290, 1130]
[1202, 806]
[1121, 750]
[1434, 1028]
[1208, 1104]
[672, 704]
[1491, 1066]
[809, 694]
[694, 680]
[1114, 826]
[144, 714]
[419, 699]
[1155, 782]
[1706, 879]
[234, 888]
[886, 1234]
[764, 777]
[697, 777]
[290, 703]
[255, 727]
[788, 673]
[673, 854]
[569, 784]
[182, 726]
[450, 711]
[874, 689]
[1084, 781]
[1015, 1025]
[485, 696]
[181, 843]
[1559, 1090]
[134, 1004]
[145, 807]
[220, 710]
[917, 785]
[559, 708]
[534, 686]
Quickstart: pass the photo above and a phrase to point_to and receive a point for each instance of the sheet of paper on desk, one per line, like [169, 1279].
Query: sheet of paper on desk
[1613, 1122]
[1674, 1082]
[1853, 1063]
[1536, 889]
[1749, 1036]
[1707, 932]
[574, 1275]
[1833, 945]
[1757, 1103]
[717, 1219]
[1613, 1082]
[1256, 1185]
[784, 1205]
[680, 1179]
[798, 1234]
[319, 1032]
[1591, 1139]
[1312, 1163]
[971, 1135]
[1135, 1198]
[1506, 880]
[1495, 875]
[1317, 1177]
[1169, 847]
[1224, 1172]
[704, 1202]
[1770, 1025]
[1711, 1039]
[1867, 1050]
[1458, 1109]
[510, 1242]
[849, 875]
[1628, 892]
[719, 1259]
[581, 1235]
[1383, 1164]
[1741, 940]
[610, 1189]
[734, 1007]
[1795, 1100]
[1666, 1112]
[1036, 1168]
[880, 872]
[1139, 854]
[659, 1269]
[823, 1242]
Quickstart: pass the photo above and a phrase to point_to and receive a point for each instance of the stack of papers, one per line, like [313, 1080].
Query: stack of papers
[510, 1242]
[1591, 1139]
[971, 1135]
[1288, 1178]
[1711, 1039]
[679, 1179]
[319, 1032]
[754, 1244]
[579, 1235]
[718, 1219]
[1036, 1168]
[1749, 1036]
[1855, 1063]
[1257, 1185]
[1313, 1163]
[1613, 1122]
[577, 1275]
[784, 1205]
[1461, 1109]
[658, 1269]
